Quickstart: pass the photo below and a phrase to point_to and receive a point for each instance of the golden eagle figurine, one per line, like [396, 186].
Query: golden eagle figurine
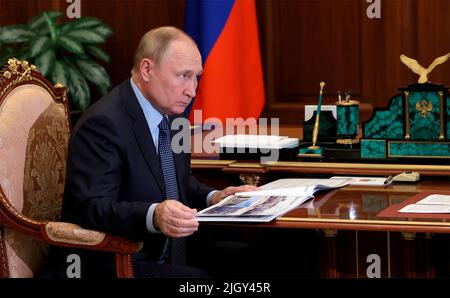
[418, 69]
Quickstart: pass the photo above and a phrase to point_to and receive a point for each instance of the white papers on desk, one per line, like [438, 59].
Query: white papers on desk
[365, 181]
[430, 204]
[256, 141]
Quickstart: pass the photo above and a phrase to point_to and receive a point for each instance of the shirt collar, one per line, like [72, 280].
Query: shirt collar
[152, 115]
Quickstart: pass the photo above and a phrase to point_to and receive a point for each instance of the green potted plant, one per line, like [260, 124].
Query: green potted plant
[65, 52]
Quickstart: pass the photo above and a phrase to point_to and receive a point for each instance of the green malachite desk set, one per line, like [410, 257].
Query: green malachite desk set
[415, 124]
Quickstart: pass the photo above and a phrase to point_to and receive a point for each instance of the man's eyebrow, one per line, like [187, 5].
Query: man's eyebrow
[185, 71]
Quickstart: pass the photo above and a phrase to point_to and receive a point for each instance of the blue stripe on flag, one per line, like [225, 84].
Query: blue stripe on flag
[204, 21]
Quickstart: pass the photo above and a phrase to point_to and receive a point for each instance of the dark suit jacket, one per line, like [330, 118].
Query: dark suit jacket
[114, 173]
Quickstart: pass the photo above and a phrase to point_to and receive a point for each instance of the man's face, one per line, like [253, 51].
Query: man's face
[173, 82]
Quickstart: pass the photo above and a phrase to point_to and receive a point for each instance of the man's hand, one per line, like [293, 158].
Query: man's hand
[174, 219]
[231, 190]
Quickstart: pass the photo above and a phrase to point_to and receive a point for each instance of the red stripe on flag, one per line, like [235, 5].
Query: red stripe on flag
[232, 82]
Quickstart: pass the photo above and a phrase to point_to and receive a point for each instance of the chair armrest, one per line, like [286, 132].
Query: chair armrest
[72, 235]
[63, 234]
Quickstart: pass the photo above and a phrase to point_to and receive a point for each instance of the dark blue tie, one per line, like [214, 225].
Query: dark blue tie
[177, 252]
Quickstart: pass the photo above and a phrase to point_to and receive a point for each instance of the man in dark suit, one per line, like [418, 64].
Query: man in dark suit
[115, 180]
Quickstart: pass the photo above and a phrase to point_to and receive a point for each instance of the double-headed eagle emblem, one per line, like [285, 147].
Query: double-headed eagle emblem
[418, 69]
[424, 107]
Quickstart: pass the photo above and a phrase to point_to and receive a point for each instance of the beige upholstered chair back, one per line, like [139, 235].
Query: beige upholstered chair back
[34, 134]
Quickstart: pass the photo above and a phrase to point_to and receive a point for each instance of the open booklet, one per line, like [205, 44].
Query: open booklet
[434, 203]
[274, 199]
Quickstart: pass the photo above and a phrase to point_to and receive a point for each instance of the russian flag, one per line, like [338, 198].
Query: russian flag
[226, 33]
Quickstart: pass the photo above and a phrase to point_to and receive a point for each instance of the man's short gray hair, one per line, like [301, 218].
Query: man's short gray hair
[154, 44]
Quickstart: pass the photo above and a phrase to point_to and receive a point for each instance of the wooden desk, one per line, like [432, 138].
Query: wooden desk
[355, 209]
[353, 239]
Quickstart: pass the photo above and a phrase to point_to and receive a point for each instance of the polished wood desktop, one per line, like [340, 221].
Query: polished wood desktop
[350, 229]
[347, 219]
[356, 208]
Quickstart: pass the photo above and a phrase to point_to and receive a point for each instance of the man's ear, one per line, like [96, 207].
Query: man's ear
[146, 69]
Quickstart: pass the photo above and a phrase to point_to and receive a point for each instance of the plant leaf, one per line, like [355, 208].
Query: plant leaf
[63, 28]
[38, 22]
[45, 62]
[81, 23]
[95, 73]
[51, 26]
[97, 53]
[43, 31]
[39, 45]
[70, 45]
[59, 74]
[15, 34]
[79, 89]
[103, 30]
[85, 36]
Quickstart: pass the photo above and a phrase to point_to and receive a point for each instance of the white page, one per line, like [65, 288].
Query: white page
[293, 191]
[296, 187]
[435, 200]
[301, 182]
[236, 218]
[256, 141]
[248, 139]
[420, 208]
[307, 190]
[365, 181]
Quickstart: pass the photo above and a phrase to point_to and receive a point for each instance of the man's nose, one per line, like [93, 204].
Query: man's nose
[191, 88]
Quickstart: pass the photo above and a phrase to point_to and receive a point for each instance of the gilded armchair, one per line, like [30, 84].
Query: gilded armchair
[34, 134]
